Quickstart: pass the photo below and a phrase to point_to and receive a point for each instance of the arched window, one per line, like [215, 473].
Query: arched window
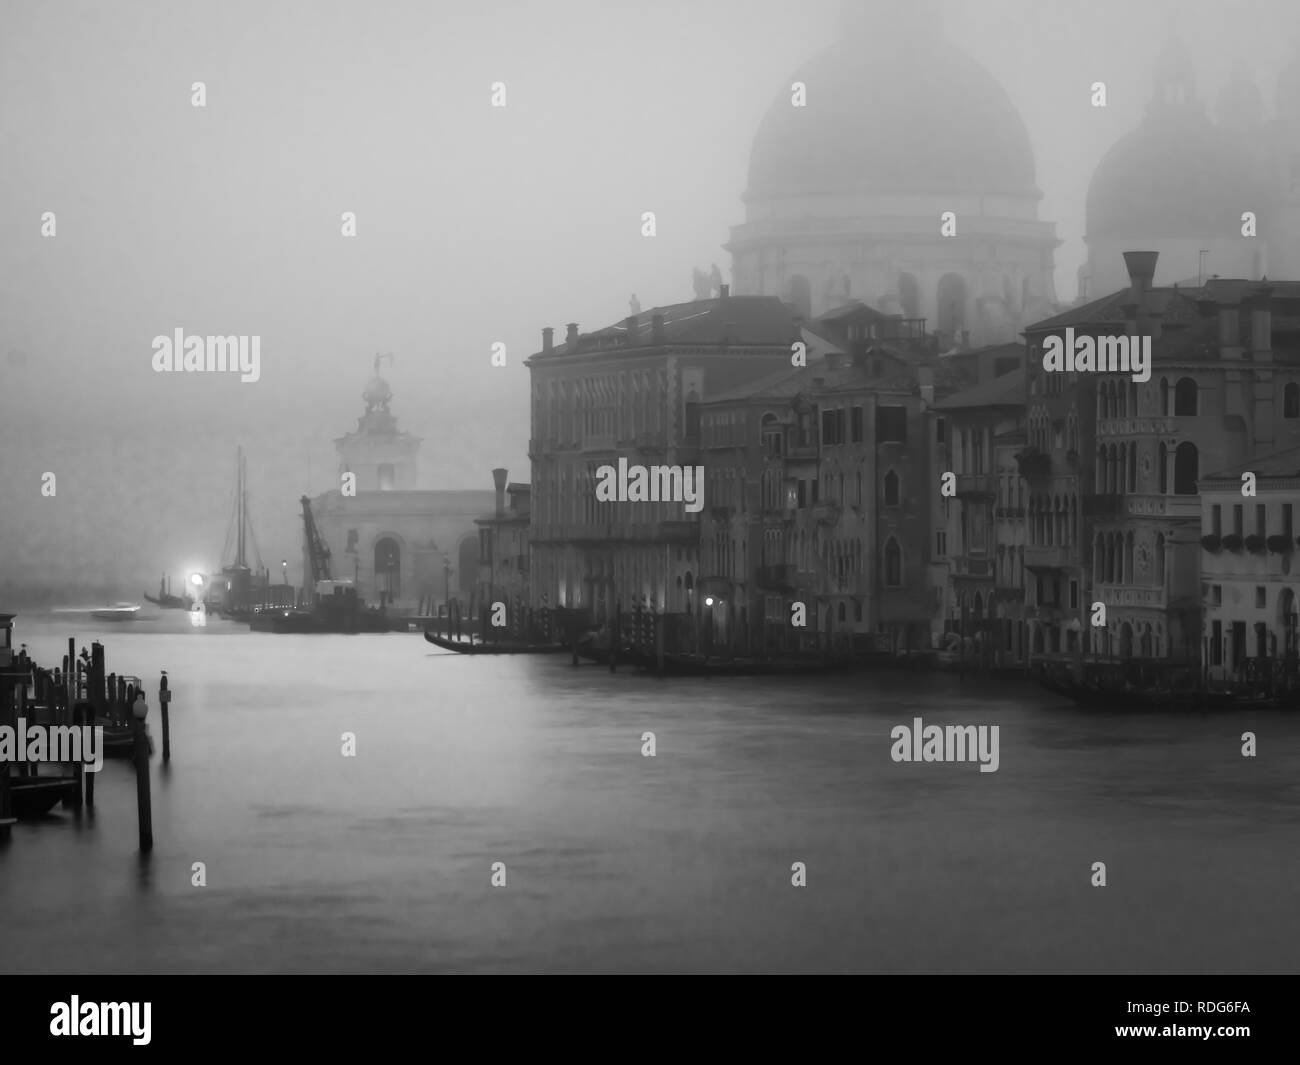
[842, 614]
[1291, 401]
[1185, 398]
[1187, 468]
[1163, 461]
[892, 489]
[1132, 468]
[893, 564]
[1160, 559]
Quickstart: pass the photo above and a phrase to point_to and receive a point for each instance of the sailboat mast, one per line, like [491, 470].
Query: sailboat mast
[239, 558]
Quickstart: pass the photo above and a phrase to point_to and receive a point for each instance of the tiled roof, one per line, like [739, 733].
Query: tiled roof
[1278, 464]
[739, 320]
[1005, 391]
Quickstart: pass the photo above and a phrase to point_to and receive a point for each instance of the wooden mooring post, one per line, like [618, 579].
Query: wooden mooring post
[144, 808]
[164, 698]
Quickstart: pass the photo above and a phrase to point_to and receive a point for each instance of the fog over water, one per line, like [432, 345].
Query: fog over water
[617, 862]
[475, 224]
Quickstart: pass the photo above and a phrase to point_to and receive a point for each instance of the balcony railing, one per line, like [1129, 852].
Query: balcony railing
[963, 566]
[826, 512]
[1163, 506]
[1121, 595]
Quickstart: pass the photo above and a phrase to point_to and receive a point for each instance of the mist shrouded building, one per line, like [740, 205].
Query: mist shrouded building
[846, 194]
[399, 543]
[1180, 182]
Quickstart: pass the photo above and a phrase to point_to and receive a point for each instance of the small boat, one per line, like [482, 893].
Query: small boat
[36, 796]
[505, 647]
[166, 600]
[121, 612]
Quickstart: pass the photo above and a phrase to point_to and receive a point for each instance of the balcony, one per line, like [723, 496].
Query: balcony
[801, 453]
[826, 512]
[1158, 506]
[976, 486]
[1049, 558]
[964, 566]
[1125, 595]
[1145, 426]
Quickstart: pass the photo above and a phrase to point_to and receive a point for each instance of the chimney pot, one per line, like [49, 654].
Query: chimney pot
[571, 336]
[724, 291]
[548, 340]
[499, 482]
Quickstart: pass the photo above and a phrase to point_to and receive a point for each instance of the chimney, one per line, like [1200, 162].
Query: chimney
[1141, 270]
[499, 480]
[925, 375]
[657, 330]
[1229, 331]
[548, 340]
[571, 337]
[724, 291]
[1261, 324]
[631, 330]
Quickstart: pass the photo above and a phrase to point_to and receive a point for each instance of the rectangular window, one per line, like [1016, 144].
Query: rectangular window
[1074, 595]
[828, 428]
[1216, 644]
[1261, 596]
[1286, 521]
[803, 493]
[1216, 520]
[814, 489]
[891, 425]
[940, 431]
[1261, 516]
[941, 543]
[855, 424]
[1238, 519]
[1216, 595]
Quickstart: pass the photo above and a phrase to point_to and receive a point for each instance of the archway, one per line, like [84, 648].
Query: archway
[388, 569]
[1187, 466]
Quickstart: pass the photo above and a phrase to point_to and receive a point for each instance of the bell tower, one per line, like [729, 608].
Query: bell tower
[382, 456]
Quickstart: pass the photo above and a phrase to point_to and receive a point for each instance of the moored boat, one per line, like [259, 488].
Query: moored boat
[36, 796]
[121, 612]
[504, 647]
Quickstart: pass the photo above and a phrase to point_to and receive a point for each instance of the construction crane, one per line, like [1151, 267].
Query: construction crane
[318, 555]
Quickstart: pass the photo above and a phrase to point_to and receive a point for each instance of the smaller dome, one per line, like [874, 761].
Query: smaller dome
[1240, 104]
[377, 393]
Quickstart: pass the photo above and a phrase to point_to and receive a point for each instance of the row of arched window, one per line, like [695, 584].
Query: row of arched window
[1052, 520]
[1113, 559]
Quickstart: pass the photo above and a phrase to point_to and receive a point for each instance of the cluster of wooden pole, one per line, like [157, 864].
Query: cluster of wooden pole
[81, 695]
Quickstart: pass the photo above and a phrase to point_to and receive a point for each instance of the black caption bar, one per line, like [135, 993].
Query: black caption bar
[140, 1014]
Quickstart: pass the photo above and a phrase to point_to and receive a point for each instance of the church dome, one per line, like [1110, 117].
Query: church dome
[893, 108]
[1177, 174]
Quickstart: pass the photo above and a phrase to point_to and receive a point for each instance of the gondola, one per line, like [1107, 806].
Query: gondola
[505, 647]
[36, 796]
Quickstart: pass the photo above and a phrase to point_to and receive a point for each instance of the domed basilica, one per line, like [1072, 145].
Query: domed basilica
[846, 194]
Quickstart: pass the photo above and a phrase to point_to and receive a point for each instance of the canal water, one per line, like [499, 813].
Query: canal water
[617, 862]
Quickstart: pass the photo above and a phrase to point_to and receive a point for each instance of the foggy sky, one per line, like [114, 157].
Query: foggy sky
[475, 224]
